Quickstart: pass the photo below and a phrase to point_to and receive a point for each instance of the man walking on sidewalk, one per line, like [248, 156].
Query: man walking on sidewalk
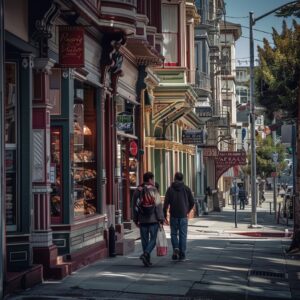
[180, 200]
[147, 215]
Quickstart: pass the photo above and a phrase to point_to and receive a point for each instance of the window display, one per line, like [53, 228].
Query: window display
[84, 160]
[56, 172]
[10, 106]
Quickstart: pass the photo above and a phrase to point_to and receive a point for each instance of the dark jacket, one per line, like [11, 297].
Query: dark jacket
[180, 199]
[156, 216]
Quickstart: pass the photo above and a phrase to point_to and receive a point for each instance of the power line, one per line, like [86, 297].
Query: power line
[258, 30]
[246, 37]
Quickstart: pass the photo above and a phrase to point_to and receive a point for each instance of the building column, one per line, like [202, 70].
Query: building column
[44, 252]
[2, 175]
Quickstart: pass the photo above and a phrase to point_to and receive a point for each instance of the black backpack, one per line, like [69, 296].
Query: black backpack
[146, 202]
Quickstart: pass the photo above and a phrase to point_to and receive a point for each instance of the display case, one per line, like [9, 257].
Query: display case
[56, 175]
[84, 161]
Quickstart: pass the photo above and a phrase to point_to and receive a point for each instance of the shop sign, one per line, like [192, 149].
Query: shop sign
[193, 137]
[227, 159]
[133, 148]
[204, 112]
[210, 151]
[125, 123]
[71, 46]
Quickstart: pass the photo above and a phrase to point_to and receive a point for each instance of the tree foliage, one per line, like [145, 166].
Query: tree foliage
[264, 161]
[290, 10]
[279, 71]
[264, 152]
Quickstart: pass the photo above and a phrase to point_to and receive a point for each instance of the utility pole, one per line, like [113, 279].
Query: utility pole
[252, 22]
[2, 198]
[252, 127]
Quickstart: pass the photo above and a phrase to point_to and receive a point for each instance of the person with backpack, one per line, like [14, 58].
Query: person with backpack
[147, 215]
[180, 200]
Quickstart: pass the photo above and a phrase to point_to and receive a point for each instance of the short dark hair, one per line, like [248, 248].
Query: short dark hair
[178, 176]
[147, 176]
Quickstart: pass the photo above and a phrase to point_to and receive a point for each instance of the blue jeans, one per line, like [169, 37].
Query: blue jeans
[148, 236]
[179, 227]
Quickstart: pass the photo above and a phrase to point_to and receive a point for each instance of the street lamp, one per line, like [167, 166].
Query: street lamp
[252, 22]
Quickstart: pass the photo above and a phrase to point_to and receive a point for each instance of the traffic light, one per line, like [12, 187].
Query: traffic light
[289, 150]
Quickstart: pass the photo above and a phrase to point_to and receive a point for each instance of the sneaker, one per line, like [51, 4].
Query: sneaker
[182, 256]
[146, 259]
[175, 255]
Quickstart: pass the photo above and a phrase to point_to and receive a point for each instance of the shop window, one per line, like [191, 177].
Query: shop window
[84, 157]
[55, 91]
[56, 175]
[10, 106]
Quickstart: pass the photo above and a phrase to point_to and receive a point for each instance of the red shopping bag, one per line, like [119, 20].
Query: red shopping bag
[161, 242]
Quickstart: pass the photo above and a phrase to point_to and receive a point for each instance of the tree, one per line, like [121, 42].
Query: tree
[290, 10]
[264, 155]
[278, 73]
[278, 81]
[264, 158]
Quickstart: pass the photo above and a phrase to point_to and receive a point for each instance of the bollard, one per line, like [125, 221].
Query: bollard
[112, 241]
[270, 207]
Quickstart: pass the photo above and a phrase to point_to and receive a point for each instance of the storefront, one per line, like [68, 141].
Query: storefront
[77, 215]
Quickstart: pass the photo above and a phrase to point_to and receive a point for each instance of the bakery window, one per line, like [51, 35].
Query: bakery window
[55, 91]
[10, 137]
[84, 165]
[56, 175]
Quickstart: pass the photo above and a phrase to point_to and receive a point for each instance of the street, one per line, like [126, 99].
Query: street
[223, 262]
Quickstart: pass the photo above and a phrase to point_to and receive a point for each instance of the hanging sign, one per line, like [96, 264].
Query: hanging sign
[133, 148]
[125, 123]
[71, 46]
[210, 151]
[227, 159]
[193, 137]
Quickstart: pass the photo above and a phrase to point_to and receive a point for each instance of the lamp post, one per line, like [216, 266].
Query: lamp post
[252, 22]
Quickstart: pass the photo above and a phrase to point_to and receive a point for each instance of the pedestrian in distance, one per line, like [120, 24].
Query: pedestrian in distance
[147, 215]
[180, 201]
[242, 197]
[234, 192]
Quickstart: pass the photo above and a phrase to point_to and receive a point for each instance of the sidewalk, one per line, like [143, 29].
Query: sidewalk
[221, 264]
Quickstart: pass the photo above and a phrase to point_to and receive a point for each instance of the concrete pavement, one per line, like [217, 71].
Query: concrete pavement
[223, 262]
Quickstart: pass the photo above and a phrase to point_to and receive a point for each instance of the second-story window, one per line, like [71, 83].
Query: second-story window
[170, 27]
[226, 61]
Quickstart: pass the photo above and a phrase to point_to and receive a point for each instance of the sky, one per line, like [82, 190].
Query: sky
[237, 11]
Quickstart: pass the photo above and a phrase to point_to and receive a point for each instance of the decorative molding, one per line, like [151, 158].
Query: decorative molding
[44, 64]
[27, 61]
[43, 30]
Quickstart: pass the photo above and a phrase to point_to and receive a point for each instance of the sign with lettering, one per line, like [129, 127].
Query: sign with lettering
[125, 123]
[227, 159]
[71, 46]
[193, 137]
[210, 151]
